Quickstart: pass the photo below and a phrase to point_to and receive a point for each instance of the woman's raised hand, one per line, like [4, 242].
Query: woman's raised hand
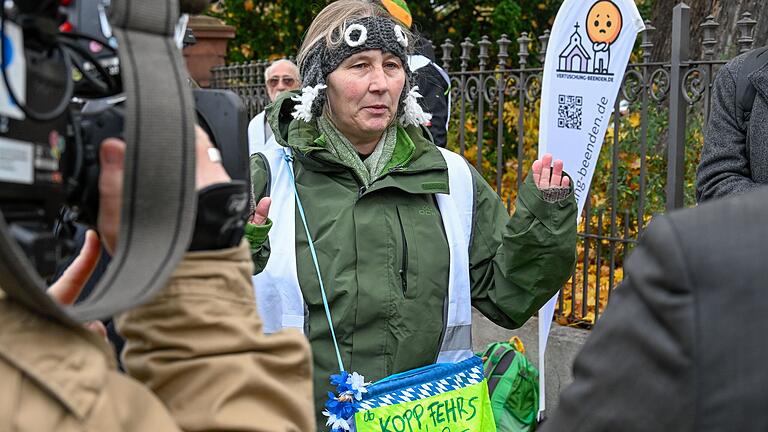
[547, 175]
[259, 216]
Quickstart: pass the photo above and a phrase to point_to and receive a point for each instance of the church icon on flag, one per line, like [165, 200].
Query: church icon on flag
[574, 58]
[602, 26]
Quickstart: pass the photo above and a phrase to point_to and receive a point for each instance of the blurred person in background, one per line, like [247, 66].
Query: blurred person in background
[282, 75]
[433, 81]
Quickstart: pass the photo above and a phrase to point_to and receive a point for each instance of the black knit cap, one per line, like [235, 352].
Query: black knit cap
[381, 33]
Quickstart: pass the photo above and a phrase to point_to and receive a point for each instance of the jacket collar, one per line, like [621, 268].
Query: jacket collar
[416, 165]
[71, 365]
[759, 79]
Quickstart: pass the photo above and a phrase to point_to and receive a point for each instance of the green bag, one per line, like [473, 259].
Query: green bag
[513, 383]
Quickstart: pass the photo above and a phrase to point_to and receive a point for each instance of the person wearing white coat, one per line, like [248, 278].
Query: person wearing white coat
[282, 75]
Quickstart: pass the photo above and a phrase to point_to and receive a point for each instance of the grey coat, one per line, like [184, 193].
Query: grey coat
[728, 164]
[681, 346]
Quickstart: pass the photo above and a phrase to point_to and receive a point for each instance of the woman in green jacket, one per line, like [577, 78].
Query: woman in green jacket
[402, 246]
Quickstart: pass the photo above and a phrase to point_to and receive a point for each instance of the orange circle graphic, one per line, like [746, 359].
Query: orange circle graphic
[604, 22]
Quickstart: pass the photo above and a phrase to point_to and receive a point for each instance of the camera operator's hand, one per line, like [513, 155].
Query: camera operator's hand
[67, 288]
[112, 156]
[207, 172]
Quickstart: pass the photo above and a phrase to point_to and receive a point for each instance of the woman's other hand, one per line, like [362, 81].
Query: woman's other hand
[548, 175]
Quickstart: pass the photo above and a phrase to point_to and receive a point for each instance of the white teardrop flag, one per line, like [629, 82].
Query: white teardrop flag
[587, 55]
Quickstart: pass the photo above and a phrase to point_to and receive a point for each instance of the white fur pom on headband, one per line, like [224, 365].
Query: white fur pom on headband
[303, 110]
[413, 113]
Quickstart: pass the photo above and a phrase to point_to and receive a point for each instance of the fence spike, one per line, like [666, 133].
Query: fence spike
[215, 76]
[523, 41]
[710, 29]
[251, 79]
[647, 44]
[484, 44]
[746, 24]
[543, 44]
[503, 51]
[447, 49]
[261, 67]
[466, 50]
[240, 74]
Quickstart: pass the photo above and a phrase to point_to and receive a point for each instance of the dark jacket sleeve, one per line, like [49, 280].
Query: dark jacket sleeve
[518, 263]
[635, 371]
[724, 167]
[259, 183]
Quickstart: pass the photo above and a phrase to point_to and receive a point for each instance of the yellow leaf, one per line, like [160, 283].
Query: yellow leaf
[246, 50]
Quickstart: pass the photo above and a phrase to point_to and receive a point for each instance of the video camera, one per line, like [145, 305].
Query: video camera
[61, 96]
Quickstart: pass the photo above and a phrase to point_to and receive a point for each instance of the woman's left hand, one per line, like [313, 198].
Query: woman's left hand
[261, 212]
[548, 175]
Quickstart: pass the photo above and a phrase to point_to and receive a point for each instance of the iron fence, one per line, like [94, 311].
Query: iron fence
[648, 157]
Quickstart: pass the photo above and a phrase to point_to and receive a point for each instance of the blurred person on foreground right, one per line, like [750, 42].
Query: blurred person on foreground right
[734, 157]
[681, 346]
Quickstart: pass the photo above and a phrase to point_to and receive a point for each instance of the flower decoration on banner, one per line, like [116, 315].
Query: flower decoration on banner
[342, 406]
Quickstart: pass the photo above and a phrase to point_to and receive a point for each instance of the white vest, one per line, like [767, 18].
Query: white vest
[278, 295]
[260, 137]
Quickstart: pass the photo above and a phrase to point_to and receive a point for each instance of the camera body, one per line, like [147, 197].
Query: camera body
[49, 164]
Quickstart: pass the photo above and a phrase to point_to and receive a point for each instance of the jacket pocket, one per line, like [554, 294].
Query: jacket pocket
[408, 268]
[403, 271]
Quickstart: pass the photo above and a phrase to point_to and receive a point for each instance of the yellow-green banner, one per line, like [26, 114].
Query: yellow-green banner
[464, 410]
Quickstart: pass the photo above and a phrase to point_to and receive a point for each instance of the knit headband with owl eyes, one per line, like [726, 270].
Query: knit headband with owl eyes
[368, 33]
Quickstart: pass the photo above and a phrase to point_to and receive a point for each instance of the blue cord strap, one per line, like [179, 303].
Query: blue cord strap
[289, 161]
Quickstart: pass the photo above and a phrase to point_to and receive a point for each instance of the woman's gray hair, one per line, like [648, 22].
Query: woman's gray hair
[331, 23]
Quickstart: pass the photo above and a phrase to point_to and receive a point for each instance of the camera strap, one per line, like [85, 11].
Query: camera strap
[159, 198]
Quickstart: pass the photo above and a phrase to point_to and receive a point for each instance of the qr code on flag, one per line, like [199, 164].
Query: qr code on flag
[569, 112]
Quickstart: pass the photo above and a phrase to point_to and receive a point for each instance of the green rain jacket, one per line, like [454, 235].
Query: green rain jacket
[384, 258]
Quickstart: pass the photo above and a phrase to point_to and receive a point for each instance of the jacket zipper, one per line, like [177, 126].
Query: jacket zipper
[404, 265]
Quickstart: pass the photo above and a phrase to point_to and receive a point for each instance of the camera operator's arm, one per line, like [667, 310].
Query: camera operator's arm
[199, 346]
